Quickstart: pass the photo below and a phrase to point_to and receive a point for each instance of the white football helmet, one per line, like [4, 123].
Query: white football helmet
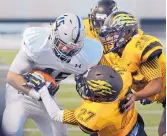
[67, 37]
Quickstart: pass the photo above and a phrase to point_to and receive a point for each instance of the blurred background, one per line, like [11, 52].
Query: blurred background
[17, 15]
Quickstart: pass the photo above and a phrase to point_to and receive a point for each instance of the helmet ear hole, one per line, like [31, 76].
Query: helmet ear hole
[111, 76]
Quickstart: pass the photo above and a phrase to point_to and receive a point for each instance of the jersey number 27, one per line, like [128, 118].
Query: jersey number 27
[85, 115]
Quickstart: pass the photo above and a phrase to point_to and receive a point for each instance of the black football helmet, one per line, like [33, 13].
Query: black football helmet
[118, 29]
[100, 84]
[99, 13]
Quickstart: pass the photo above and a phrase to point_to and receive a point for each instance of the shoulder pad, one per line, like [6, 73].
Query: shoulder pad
[86, 21]
[110, 59]
[93, 50]
[89, 33]
[152, 47]
[140, 32]
[34, 39]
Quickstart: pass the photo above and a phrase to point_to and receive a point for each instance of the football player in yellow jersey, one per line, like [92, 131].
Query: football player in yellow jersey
[97, 17]
[142, 55]
[103, 90]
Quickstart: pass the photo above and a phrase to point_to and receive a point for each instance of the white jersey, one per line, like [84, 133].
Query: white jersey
[36, 47]
[36, 53]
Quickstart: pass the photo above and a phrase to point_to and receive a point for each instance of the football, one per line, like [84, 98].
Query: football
[47, 77]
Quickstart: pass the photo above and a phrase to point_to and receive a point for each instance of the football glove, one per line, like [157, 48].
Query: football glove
[122, 104]
[34, 80]
[37, 81]
[79, 83]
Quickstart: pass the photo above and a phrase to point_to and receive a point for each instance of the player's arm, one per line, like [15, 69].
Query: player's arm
[16, 81]
[21, 65]
[152, 72]
[151, 69]
[65, 116]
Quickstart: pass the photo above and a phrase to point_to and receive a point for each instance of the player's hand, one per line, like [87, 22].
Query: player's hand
[79, 84]
[131, 101]
[37, 81]
[52, 91]
[78, 77]
[34, 80]
[79, 81]
[145, 101]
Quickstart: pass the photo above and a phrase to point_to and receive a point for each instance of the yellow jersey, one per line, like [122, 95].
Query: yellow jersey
[90, 33]
[106, 118]
[110, 59]
[137, 58]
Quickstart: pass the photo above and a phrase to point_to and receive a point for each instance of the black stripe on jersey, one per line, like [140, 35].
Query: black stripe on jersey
[151, 46]
[86, 130]
[155, 54]
[61, 76]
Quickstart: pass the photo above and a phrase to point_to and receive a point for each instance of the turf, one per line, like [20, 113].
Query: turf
[7, 56]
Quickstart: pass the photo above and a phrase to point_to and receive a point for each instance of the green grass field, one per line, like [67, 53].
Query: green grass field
[7, 56]
[68, 97]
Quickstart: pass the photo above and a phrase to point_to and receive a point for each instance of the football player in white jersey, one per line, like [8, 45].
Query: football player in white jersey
[59, 50]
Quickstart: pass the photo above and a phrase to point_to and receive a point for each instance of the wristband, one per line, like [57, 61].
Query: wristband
[34, 94]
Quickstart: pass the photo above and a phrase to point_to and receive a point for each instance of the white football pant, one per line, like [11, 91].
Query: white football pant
[20, 107]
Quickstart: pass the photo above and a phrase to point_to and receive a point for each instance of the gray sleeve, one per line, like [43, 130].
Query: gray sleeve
[21, 64]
